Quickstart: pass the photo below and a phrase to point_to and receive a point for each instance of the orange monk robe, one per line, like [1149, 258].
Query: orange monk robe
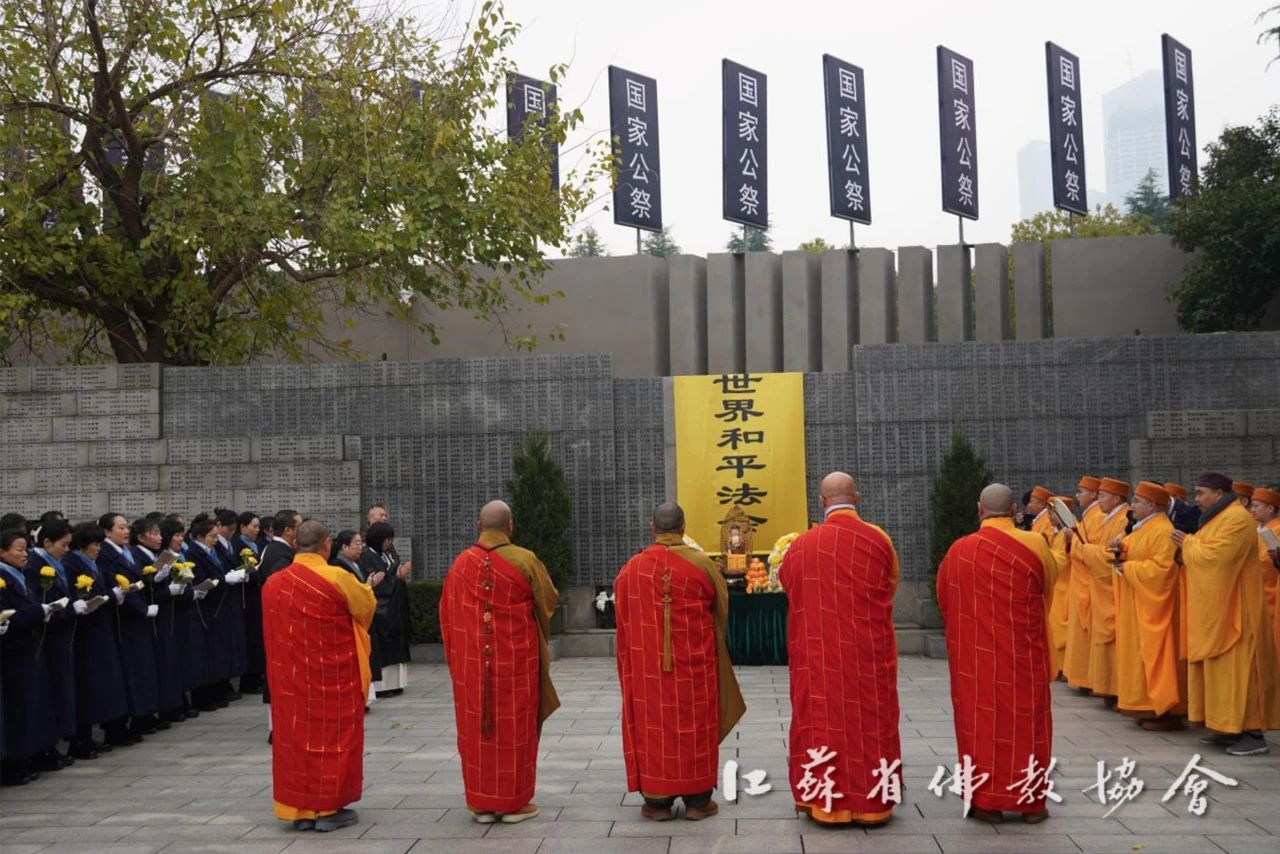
[840, 577]
[1271, 584]
[995, 589]
[1059, 625]
[1096, 557]
[1231, 671]
[1146, 634]
[1075, 660]
[495, 619]
[315, 621]
[1043, 525]
[680, 697]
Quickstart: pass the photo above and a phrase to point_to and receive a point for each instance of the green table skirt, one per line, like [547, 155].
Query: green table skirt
[757, 631]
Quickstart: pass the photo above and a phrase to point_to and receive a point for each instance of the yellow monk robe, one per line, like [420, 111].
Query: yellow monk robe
[1271, 584]
[1096, 557]
[1146, 633]
[1043, 525]
[1058, 617]
[1075, 661]
[1232, 684]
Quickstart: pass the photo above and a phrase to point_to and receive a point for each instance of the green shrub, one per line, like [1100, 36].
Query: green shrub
[963, 476]
[424, 611]
[542, 507]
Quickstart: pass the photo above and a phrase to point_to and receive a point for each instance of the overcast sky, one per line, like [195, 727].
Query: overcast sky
[681, 45]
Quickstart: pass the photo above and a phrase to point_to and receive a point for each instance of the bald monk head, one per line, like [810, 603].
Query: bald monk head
[313, 538]
[668, 518]
[995, 500]
[496, 516]
[838, 488]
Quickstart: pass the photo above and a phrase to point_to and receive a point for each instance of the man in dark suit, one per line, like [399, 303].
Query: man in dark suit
[276, 555]
[1184, 516]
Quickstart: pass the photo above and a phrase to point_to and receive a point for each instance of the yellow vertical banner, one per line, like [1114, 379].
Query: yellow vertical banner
[740, 441]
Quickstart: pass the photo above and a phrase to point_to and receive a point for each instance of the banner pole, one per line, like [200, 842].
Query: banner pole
[638, 250]
[961, 219]
[1071, 223]
[852, 243]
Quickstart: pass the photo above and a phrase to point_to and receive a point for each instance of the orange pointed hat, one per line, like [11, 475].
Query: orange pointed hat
[1115, 487]
[1176, 490]
[1153, 492]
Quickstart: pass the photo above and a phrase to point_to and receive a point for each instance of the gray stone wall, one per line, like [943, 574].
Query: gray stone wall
[434, 440]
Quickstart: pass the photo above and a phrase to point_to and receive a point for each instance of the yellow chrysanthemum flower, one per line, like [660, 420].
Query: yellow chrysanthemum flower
[84, 582]
[121, 581]
[48, 572]
[148, 570]
[3, 584]
[245, 552]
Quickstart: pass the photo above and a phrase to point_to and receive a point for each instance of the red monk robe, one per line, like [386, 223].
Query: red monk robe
[680, 697]
[994, 590]
[840, 578]
[495, 616]
[315, 621]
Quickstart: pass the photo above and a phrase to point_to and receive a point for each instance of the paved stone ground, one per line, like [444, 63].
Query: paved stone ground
[205, 786]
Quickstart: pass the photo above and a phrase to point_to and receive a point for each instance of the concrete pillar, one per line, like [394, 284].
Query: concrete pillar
[801, 311]
[687, 314]
[1031, 292]
[915, 295]
[763, 308]
[955, 294]
[877, 301]
[991, 267]
[726, 319]
[839, 308]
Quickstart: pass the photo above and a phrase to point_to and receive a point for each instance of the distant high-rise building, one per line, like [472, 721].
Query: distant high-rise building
[1133, 126]
[1035, 179]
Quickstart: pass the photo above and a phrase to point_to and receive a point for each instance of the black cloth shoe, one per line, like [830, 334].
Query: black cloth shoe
[82, 751]
[47, 762]
[176, 716]
[16, 774]
[337, 821]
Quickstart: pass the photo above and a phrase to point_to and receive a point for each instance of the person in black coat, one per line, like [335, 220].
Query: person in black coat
[144, 534]
[391, 620]
[276, 555]
[30, 727]
[235, 576]
[202, 539]
[186, 632]
[101, 695]
[246, 538]
[135, 626]
[54, 543]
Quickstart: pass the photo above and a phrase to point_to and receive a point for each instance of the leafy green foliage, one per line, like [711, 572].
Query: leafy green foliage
[660, 244]
[757, 240]
[962, 477]
[542, 506]
[817, 245]
[205, 181]
[1106, 221]
[424, 611]
[1233, 226]
[1270, 34]
[1146, 200]
[587, 244]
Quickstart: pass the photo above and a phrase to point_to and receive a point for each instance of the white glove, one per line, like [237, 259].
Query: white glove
[199, 594]
[235, 576]
[176, 589]
[119, 594]
[48, 613]
[4, 627]
[80, 607]
[162, 574]
[152, 610]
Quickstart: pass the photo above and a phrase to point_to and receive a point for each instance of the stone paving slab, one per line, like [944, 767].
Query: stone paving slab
[204, 786]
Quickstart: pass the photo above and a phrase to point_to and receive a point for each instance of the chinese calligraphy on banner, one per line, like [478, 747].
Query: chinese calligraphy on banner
[958, 134]
[531, 100]
[1179, 117]
[745, 145]
[1066, 130]
[847, 173]
[633, 119]
[740, 441]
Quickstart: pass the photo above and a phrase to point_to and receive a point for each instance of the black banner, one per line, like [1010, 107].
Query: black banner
[745, 146]
[633, 119]
[1066, 129]
[848, 176]
[530, 99]
[958, 134]
[1179, 117]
